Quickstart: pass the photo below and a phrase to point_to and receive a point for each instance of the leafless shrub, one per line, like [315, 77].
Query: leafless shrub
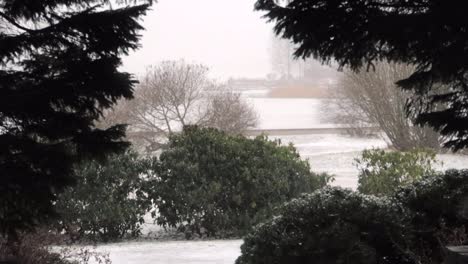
[372, 99]
[227, 111]
[43, 247]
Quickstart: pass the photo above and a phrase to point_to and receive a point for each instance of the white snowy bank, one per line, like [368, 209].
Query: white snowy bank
[173, 252]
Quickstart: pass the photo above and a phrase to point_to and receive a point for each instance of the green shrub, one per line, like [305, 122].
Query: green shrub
[439, 214]
[341, 226]
[107, 203]
[331, 225]
[214, 184]
[382, 172]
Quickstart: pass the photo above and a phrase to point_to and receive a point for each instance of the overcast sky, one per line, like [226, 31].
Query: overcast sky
[226, 35]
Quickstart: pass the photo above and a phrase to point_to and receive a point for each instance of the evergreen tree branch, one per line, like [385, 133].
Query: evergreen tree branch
[13, 22]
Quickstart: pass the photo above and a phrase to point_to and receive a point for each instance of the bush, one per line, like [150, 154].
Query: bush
[340, 226]
[331, 225]
[381, 172]
[45, 247]
[439, 213]
[107, 203]
[214, 184]
[29, 251]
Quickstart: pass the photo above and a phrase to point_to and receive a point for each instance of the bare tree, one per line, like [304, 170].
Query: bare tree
[230, 113]
[371, 99]
[174, 94]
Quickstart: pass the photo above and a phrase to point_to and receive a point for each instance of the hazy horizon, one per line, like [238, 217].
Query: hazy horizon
[227, 36]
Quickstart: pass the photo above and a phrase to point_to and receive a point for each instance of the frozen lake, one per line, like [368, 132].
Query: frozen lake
[277, 113]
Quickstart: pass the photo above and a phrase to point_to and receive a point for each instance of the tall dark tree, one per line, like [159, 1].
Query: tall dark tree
[430, 34]
[59, 64]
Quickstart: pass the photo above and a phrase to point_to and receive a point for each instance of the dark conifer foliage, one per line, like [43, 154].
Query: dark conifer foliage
[59, 64]
[431, 34]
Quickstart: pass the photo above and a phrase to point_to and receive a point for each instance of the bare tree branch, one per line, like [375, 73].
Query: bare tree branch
[371, 98]
[174, 94]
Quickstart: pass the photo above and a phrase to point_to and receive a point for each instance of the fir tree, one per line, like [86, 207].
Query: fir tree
[430, 34]
[59, 64]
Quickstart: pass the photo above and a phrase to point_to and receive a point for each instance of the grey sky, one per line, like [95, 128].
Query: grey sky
[226, 35]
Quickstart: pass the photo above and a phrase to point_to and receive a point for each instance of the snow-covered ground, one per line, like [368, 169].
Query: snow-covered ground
[335, 154]
[332, 153]
[173, 252]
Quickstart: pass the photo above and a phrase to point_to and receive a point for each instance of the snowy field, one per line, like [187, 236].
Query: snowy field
[335, 154]
[330, 153]
[174, 252]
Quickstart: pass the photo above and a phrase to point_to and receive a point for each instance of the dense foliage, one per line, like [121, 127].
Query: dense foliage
[439, 214]
[211, 183]
[382, 172]
[333, 225]
[429, 34]
[59, 63]
[108, 202]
